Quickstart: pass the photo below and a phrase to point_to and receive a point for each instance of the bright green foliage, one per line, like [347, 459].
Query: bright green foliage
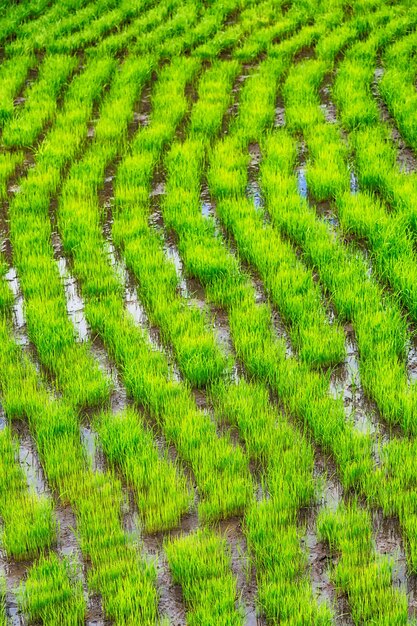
[52, 593]
[220, 469]
[41, 101]
[161, 492]
[30, 234]
[201, 564]
[62, 19]
[12, 75]
[361, 573]
[125, 581]
[286, 461]
[198, 356]
[132, 148]
[29, 524]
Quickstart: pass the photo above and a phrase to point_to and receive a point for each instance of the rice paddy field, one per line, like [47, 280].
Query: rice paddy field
[208, 312]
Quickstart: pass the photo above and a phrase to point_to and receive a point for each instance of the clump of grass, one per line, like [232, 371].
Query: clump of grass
[30, 233]
[52, 593]
[220, 469]
[160, 488]
[41, 101]
[201, 564]
[198, 355]
[12, 76]
[360, 572]
[29, 524]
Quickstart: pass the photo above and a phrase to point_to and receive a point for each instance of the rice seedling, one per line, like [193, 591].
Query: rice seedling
[30, 235]
[59, 21]
[12, 76]
[200, 563]
[285, 459]
[17, 14]
[214, 460]
[40, 101]
[366, 311]
[52, 593]
[124, 580]
[360, 572]
[97, 28]
[216, 266]
[119, 41]
[396, 85]
[198, 356]
[160, 488]
[29, 524]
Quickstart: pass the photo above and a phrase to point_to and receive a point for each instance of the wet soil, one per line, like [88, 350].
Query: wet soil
[233, 108]
[279, 120]
[327, 105]
[253, 189]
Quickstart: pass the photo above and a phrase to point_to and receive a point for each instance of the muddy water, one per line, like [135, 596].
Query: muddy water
[142, 111]
[345, 382]
[171, 252]
[327, 105]
[92, 449]
[233, 109]
[29, 461]
[279, 119]
[253, 190]
[14, 573]
[207, 203]
[74, 301]
[353, 182]
[412, 361]
[302, 181]
[19, 321]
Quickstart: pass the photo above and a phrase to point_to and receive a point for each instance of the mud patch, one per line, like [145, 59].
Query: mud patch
[19, 320]
[29, 460]
[74, 302]
[345, 383]
[327, 105]
[279, 119]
